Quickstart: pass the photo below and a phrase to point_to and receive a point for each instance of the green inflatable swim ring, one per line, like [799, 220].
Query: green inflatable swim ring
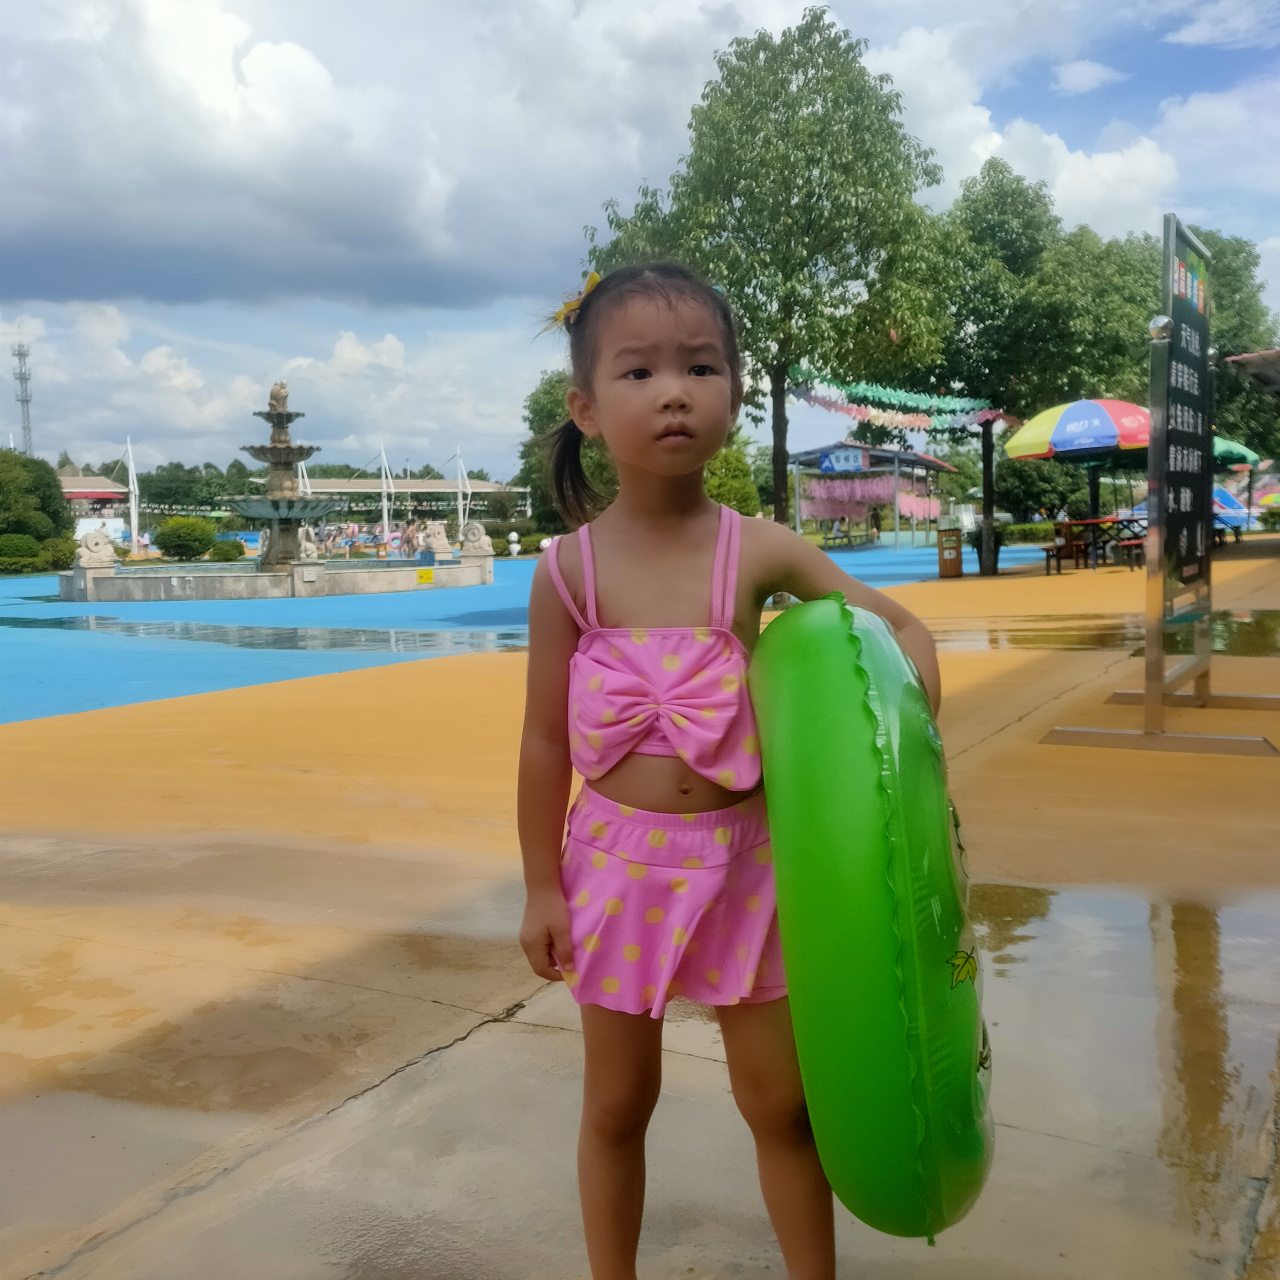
[881, 961]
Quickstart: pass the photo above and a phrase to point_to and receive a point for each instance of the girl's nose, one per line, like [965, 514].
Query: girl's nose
[674, 396]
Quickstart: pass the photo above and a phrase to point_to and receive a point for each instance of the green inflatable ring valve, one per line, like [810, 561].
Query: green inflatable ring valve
[881, 960]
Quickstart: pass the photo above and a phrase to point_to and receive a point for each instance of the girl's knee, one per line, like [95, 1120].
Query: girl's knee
[775, 1113]
[620, 1115]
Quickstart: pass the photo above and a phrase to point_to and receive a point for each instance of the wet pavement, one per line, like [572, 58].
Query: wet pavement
[273, 1083]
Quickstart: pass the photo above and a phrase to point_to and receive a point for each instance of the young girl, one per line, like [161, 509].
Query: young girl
[640, 629]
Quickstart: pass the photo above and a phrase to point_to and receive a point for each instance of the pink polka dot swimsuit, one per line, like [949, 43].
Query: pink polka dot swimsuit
[666, 904]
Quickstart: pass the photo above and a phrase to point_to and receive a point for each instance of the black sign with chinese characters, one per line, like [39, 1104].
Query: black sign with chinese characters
[1188, 419]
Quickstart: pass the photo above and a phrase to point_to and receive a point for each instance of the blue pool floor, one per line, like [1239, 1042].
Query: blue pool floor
[57, 658]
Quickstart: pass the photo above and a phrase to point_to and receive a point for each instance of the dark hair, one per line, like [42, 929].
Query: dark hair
[575, 497]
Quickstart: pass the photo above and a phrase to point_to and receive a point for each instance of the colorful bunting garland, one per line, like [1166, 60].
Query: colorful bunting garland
[934, 405]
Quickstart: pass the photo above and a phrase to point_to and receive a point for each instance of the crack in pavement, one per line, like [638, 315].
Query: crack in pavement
[175, 1194]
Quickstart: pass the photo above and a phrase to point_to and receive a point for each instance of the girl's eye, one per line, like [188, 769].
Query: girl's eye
[638, 374]
[702, 371]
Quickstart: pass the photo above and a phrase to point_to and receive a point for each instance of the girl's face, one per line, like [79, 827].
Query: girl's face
[660, 397]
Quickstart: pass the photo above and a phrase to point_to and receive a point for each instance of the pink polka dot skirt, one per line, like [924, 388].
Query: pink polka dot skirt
[669, 904]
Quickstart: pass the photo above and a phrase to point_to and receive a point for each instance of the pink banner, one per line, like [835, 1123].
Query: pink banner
[909, 505]
[843, 499]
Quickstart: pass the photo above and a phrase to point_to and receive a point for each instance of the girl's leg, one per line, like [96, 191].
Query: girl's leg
[620, 1087]
[765, 1076]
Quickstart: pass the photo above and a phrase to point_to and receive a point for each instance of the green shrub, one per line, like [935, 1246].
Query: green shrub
[23, 565]
[18, 546]
[1035, 533]
[1270, 519]
[498, 529]
[226, 550]
[529, 546]
[185, 537]
[59, 553]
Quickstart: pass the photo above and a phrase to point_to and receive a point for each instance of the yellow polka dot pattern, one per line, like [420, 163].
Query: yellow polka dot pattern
[680, 884]
[726, 777]
[599, 830]
[591, 942]
[751, 745]
[610, 985]
[678, 720]
[637, 871]
[692, 862]
[702, 634]
[599, 860]
[729, 684]
[678, 935]
[608, 716]
[582, 899]
[764, 855]
[655, 915]
[639, 635]
[722, 835]
[631, 952]
[570, 978]
[657, 838]
[594, 683]
[753, 902]
[613, 907]
[595, 740]
[626, 810]
[713, 977]
[670, 662]
[649, 992]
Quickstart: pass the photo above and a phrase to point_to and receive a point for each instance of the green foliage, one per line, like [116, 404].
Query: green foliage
[797, 198]
[728, 479]
[1025, 486]
[544, 410]
[762, 473]
[1270, 519]
[31, 500]
[18, 546]
[530, 545]
[185, 537]
[965, 456]
[478, 474]
[59, 552]
[226, 550]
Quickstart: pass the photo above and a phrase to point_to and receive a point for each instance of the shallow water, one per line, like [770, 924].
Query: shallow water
[1250, 634]
[351, 639]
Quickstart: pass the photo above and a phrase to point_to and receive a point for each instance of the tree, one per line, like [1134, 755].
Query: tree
[544, 410]
[1239, 323]
[478, 474]
[185, 537]
[727, 479]
[170, 485]
[797, 198]
[1027, 486]
[428, 472]
[31, 499]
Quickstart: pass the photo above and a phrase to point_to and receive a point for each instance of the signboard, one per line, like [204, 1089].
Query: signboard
[844, 460]
[1187, 453]
[426, 575]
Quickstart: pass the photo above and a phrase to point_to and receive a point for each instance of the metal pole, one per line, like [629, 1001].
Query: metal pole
[895, 501]
[133, 498]
[386, 515]
[795, 473]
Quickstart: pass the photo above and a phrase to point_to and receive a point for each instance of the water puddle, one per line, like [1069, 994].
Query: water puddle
[1251, 634]
[317, 639]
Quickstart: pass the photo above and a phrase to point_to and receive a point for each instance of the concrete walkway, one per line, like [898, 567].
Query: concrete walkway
[262, 1015]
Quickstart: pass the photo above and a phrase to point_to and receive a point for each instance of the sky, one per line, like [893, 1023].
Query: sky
[379, 203]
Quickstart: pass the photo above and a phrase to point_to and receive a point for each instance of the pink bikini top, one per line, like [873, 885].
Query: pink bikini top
[663, 691]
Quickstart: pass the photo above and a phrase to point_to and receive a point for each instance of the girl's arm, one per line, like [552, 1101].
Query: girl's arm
[545, 777]
[800, 568]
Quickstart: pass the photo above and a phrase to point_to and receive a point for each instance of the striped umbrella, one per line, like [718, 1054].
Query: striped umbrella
[1082, 431]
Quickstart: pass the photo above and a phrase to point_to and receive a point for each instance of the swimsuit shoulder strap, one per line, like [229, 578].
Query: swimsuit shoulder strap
[553, 563]
[588, 575]
[724, 572]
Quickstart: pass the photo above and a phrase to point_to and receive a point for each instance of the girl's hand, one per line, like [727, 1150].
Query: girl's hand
[545, 935]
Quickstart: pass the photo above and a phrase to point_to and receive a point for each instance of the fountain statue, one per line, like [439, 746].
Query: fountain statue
[287, 510]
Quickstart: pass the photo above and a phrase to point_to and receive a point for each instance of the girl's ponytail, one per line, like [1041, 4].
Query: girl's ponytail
[575, 497]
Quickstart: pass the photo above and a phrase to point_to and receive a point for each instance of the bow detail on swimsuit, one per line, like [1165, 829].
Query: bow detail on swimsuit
[677, 691]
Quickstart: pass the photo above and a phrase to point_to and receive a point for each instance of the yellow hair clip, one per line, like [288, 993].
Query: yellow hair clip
[565, 316]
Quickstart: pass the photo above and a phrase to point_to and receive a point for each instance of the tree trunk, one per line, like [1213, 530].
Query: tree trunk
[987, 555]
[778, 393]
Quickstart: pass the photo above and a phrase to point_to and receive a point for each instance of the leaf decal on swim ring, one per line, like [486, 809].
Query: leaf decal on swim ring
[964, 968]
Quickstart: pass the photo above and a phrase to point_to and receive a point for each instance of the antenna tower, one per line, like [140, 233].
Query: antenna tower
[22, 376]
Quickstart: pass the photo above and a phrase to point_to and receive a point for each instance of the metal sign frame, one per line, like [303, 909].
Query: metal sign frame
[1178, 596]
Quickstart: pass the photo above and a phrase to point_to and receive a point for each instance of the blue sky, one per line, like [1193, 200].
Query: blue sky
[205, 196]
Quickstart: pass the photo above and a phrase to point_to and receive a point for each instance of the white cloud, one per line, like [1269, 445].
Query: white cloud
[1115, 190]
[1232, 24]
[1084, 76]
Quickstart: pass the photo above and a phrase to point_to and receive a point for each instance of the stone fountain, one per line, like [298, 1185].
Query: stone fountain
[288, 565]
[287, 510]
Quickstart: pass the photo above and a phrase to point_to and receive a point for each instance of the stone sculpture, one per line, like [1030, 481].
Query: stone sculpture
[435, 539]
[307, 549]
[96, 551]
[475, 542]
[278, 399]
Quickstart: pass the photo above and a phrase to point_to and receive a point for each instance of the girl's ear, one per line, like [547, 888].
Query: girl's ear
[583, 412]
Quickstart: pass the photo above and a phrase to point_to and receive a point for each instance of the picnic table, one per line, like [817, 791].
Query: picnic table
[1086, 541]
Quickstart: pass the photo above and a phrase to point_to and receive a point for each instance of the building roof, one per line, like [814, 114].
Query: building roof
[1262, 366]
[85, 487]
[401, 485]
[881, 457]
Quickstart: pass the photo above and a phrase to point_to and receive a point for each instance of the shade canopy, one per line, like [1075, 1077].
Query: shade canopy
[1113, 433]
[1082, 431]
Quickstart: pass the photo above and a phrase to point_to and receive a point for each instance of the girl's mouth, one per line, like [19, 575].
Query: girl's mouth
[676, 431]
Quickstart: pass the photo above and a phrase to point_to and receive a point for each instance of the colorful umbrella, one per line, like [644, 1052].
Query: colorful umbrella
[1085, 430]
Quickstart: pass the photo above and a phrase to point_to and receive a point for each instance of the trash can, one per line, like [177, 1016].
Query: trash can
[949, 561]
